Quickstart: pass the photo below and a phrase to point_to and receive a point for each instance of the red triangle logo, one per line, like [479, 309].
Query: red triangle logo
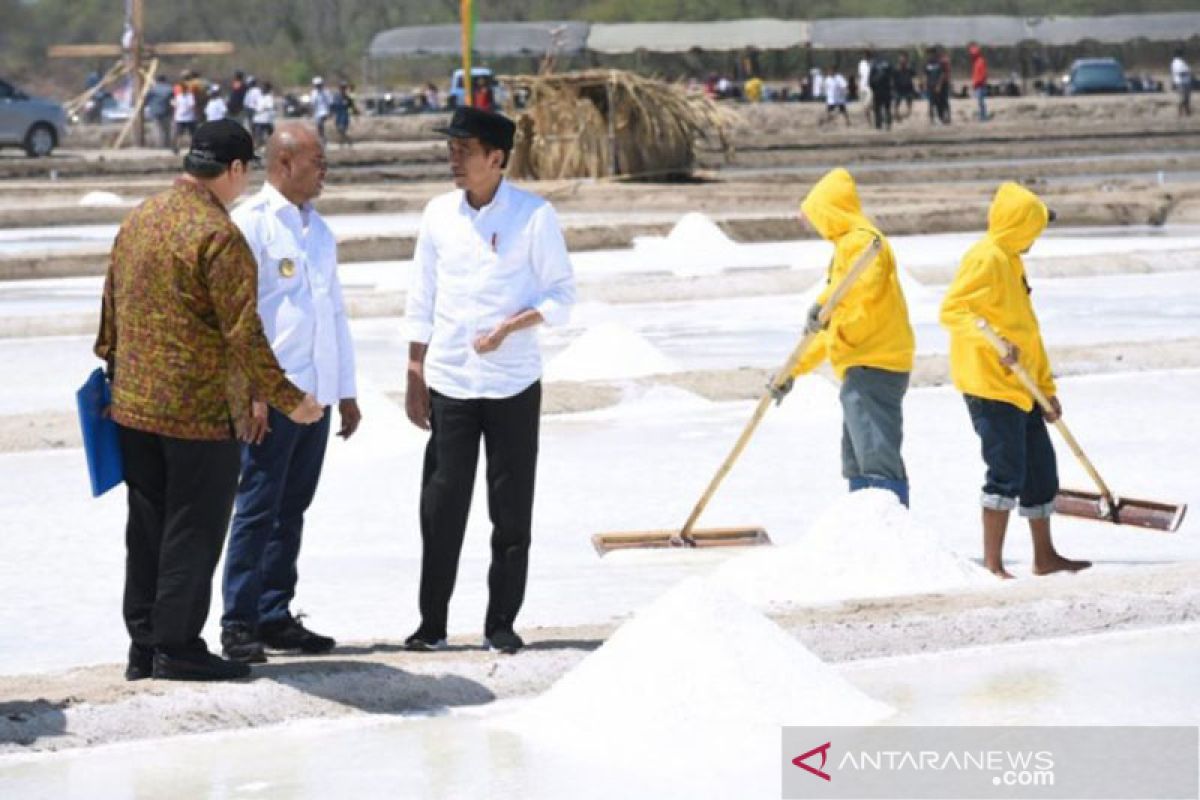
[824, 751]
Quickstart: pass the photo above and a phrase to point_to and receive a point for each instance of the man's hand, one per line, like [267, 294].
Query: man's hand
[351, 416]
[256, 428]
[812, 323]
[308, 412]
[416, 399]
[1056, 411]
[1011, 356]
[780, 391]
[487, 342]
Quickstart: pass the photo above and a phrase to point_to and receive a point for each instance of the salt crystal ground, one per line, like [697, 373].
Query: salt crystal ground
[688, 698]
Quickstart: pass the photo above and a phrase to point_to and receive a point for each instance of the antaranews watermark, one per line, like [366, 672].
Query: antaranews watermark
[1100, 762]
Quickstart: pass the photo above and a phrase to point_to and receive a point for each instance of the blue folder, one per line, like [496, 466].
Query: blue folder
[99, 434]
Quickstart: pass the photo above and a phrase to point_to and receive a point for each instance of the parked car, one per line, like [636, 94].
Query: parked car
[103, 107]
[454, 97]
[1096, 76]
[33, 123]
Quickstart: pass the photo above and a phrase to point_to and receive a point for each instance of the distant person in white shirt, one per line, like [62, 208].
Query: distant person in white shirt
[835, 97]
[264, 113]
[215, 108]
[1181, 79]
[184, 110]
[322, 103]
[490, 265]
[304, 318]
[251, 101]
[864, 83]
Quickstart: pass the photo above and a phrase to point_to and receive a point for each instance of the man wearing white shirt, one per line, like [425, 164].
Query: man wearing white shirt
[304, 317]
[253, 97]
[490, 265]
[321, 105]
[1181, 79]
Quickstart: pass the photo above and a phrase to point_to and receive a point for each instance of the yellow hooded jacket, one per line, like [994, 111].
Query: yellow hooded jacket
[991, 284]
[869, 327]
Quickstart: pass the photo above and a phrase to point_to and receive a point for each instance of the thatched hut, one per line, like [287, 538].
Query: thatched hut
[603, 123]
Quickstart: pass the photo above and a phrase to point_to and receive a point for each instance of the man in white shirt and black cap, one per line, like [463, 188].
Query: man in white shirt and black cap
[304, 317]
[490, 265]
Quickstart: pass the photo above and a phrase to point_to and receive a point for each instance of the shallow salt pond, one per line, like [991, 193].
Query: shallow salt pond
[1100, 679]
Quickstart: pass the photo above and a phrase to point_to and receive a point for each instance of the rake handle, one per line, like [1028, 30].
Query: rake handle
[860, 265]
[1023, 375]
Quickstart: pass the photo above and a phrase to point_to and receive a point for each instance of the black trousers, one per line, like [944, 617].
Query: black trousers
[509, 428]
[180, 498]
[883, 109]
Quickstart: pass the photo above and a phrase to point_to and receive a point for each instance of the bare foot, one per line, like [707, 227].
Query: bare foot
[1059, 564]
[1000, 572]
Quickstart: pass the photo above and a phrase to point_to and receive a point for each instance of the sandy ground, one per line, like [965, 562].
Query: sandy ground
[95, 705]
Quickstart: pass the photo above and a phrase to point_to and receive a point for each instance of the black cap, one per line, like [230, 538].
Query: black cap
[221, 141]
[1050, 215]
[489, 127]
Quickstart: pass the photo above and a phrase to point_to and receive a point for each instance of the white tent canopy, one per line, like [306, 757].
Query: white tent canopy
[679, 37]
[492, 38]
[537, 38]
[997, 31]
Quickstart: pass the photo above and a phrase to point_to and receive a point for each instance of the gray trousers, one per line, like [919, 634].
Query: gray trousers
[873, 423]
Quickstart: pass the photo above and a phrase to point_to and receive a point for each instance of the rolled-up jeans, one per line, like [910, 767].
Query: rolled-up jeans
[1020, 460]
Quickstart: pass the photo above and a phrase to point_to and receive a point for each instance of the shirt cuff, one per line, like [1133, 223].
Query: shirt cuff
[418, 331]
[553, 312]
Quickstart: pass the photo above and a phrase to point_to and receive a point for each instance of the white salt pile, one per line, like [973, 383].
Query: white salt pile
[697, 659]
[608, 351]
[695, 230]
[651, 403]
[696, 245]
[101, 199]
[865, 545]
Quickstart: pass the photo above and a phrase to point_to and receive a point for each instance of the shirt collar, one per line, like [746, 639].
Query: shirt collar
[277, 202]
[200, 190]
[498, 200]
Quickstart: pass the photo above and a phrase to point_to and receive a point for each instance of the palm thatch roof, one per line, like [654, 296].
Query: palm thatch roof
[604, 123]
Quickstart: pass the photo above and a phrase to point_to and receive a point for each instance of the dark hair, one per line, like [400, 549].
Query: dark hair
[488, 148]
[200, 167]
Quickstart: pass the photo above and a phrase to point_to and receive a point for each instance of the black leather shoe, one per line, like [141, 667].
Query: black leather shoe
[197, 665]
[504, 640]
[238, 643]
[288, 635]
[424, 640]
[140, 664]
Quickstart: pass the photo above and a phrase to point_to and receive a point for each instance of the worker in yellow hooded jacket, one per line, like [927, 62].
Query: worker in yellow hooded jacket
[1021, 466]
[868, 339]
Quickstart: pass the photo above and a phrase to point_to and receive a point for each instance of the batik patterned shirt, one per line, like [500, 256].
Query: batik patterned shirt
[179, 325]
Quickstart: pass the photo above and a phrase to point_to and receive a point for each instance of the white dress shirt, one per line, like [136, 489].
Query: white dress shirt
[299, 294]
[185, 106]
[1180, 73]
[215, 109]
[253, 96]
[472, 270]
[264, 109]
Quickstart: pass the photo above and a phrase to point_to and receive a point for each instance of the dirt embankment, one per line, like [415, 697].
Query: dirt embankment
[94, 705]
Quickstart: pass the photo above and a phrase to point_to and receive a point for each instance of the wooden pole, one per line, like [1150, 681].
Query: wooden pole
[467, 12]
[137, 18]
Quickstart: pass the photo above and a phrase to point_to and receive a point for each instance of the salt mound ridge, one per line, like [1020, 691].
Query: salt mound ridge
[865, 545]
[695, 245]
[608, 351]
[97, 198]
[695, 230]
[696, 658]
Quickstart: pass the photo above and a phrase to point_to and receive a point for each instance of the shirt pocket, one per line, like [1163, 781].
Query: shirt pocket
[282, 270]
